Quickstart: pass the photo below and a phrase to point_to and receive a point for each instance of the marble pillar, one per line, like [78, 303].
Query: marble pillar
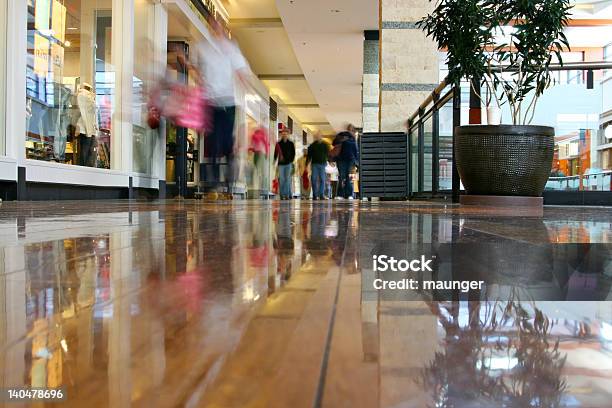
[409, 62]
[371, 78]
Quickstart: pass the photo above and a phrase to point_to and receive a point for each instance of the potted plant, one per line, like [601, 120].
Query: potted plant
[508, 159]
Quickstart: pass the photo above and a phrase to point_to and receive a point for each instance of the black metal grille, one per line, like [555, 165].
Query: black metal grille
[273, 110]
[383, 168]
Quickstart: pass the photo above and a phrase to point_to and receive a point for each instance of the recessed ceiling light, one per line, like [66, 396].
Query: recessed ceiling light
[67, 43]
[72, 28]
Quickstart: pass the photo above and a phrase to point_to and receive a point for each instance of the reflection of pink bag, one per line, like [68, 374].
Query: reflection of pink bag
[187, 107]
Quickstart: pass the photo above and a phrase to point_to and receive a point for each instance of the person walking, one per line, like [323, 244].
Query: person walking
[304, 176]
[284, 153]
[347, 159]
[260, 148]
[332, 179]
[317, 158]
[221, 62]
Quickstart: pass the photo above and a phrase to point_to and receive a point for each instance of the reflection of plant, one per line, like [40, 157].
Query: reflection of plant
[502, 358]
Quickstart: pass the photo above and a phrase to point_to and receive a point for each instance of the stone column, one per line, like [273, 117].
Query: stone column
[408, 61]
[371, 79]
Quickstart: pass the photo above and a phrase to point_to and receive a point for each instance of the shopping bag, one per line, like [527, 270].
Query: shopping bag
[305, 180]
[275, 184]
[187, 107]
[154, 108]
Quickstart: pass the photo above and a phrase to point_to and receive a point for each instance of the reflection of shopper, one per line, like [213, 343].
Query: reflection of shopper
[285, 154]
[317, 157]
[304, 176]
[347, 160]
[260, 148]
[88, 126]
[220, 62]
[332, 179]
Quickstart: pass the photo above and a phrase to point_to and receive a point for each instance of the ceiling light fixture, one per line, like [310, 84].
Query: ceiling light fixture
[72, 28]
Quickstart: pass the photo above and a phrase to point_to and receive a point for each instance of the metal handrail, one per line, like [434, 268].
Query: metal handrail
[436, 93]
[568, 66]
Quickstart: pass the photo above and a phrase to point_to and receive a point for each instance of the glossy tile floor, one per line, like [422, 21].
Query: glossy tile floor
[263, 304]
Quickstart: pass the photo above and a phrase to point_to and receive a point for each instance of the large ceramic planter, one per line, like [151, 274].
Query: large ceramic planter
[504, 160]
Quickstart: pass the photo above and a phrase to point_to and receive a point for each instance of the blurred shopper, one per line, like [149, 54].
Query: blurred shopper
[317, 158]
[221, 63]
[260, 148]
[304, 175]
[332, 179]
[284, 153]
[347, 159]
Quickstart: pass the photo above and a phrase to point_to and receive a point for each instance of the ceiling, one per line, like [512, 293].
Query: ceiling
[327, 38]
[598, 9]
[308, 53]
[259, 30]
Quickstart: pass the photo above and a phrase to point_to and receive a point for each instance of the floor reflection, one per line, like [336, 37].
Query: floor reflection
[164, 304]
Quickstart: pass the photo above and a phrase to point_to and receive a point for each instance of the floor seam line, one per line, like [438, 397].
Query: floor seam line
[318, 402]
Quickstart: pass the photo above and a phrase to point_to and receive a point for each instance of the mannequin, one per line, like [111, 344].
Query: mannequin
[87, 125]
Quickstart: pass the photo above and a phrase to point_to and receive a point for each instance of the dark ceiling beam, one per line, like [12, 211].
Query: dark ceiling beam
[255, 22]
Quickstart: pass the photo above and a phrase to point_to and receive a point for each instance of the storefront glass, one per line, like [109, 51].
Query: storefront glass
[2, 77]
[256, 157]
[70, 84]
[144, 138]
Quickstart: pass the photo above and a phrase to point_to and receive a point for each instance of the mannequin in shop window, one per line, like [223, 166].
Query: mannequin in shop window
[87, 126]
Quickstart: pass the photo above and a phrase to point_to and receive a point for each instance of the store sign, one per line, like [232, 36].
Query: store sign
[58, 21]
[57, 59]
[41, 55]
[42, 15]
[205, 8]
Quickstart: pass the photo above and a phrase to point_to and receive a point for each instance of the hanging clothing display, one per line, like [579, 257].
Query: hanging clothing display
[88, 123]
[88, 126]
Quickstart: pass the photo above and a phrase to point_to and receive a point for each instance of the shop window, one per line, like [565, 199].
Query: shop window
[144, 138]
[70, 86]
[2, 77]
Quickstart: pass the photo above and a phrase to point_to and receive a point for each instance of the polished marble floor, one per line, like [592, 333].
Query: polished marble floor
[270, 304]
